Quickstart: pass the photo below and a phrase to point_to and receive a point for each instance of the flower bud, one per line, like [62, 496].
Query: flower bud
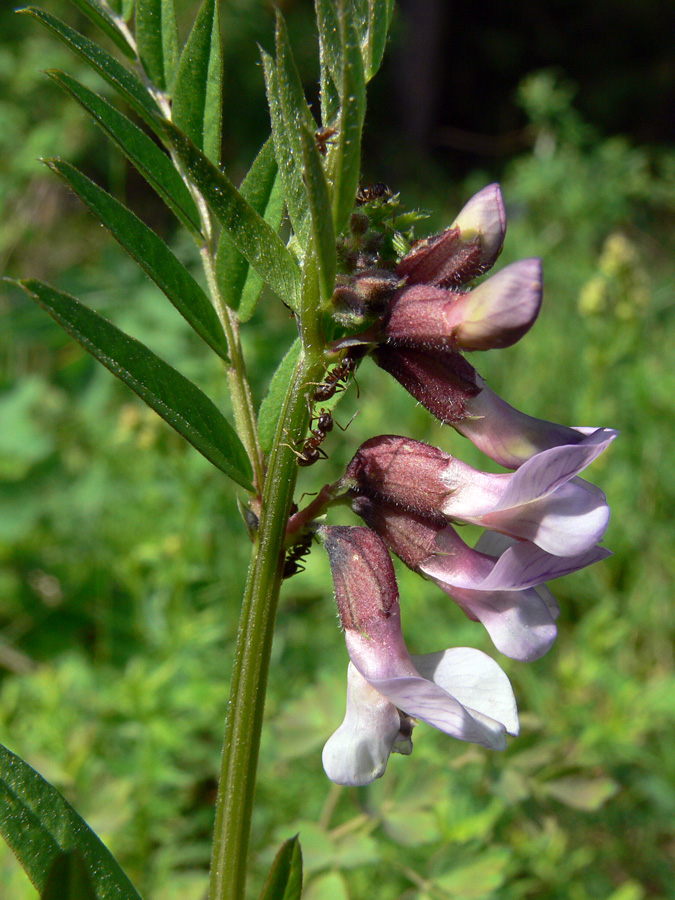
[542, 502]
[365, 584]
[496, 314]
[401, 471]
[465, 250]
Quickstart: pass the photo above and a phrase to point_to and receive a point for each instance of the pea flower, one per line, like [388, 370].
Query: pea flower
[459, 691]
[543, 501]
[500, 582]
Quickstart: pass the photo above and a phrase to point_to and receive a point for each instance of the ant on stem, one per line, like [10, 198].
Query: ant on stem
[336, 379]
[295, 556]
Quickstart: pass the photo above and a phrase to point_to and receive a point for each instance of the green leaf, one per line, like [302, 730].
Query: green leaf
[346, 157]
[197, 101]
[142, 151]
[297, 117]
[284, 881]
[331, 46]
[297, 113]
[126, 84]
[177, 400]
[101, 17]
[123, 8]
[38, 824]
[151, 253]
[322, 217]
[255, 238]
[270, 408]
[588, 794]
[68, 879]
[239, 284]
[157, 37]
[380, 13]
[290, 167]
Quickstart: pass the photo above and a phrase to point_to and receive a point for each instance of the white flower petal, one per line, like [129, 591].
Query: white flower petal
[357, 753]
[476, 680]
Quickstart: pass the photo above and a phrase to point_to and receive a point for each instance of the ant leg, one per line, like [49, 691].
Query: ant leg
[345, 427]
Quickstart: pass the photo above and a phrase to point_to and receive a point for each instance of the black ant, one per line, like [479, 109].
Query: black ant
[369, 192]
[341, 373]
[311, 451]
[295, 556]
[323, 136]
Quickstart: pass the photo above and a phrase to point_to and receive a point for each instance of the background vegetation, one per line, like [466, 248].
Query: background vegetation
[123, 554]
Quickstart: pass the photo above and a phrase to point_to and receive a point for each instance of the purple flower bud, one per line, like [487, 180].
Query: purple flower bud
[464, 693]
[463, 251]
[495, 314]
[364, 295]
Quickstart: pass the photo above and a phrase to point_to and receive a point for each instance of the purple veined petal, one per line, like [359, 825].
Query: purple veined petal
[476, 680]
[505, 434]
[501, 310]
[422, 699]
[544, 472]
[520, 623]
[474, 493]
[525, 565]
[494, 544]
[568, 522]
[357, 753]
[520, 566]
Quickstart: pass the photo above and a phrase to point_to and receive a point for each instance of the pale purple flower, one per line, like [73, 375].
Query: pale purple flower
[450, 388]
[499, 582]
[460, 691]
[542, 502]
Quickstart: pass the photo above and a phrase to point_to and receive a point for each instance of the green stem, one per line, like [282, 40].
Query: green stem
[245, 418]
[254, 641]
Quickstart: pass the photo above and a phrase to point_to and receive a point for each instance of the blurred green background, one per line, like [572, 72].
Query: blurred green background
[123, 555]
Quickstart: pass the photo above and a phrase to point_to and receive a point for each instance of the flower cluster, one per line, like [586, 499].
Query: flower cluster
[541, 519]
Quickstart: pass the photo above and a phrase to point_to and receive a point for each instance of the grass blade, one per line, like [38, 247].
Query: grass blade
[270, 408]
[346, 157]
[101, 17]
[157, 36]
[240, 285]
[121, 79]
[322, 217]
[255, 238]
[284, 881]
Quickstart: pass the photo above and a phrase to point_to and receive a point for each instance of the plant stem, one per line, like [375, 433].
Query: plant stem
[254, 641]
[245, 418]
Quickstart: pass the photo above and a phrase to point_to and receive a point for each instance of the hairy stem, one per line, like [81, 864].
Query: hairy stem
[245, 418]
[256, 626]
